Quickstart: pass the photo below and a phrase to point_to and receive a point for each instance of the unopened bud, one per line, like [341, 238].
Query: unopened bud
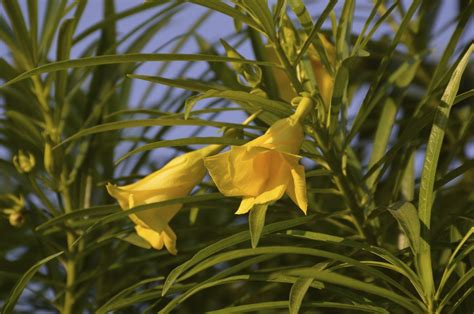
[52, 158]
[16, 219]
[10, 203]
[24, 162]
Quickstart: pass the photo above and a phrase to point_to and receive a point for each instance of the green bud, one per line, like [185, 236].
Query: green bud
[52, 158]
[48, 159]
[24, 162]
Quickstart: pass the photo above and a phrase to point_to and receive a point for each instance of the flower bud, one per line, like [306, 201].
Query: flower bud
[16, 219]
[24, 162]
[10, 203]
[52, 158]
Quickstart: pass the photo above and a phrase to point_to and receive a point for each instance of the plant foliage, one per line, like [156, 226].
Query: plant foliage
[387, 153]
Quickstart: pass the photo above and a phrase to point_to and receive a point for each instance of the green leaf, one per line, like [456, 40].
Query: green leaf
[428, 175]
[345, 281]
[119, 125]
[398, 265]
[230, 11]
[240, 253]
[375, 90]
[79, 213]
[344, 30]
[256, 222]
[134, 239]
[457, 256]
[466, 278]
[15, 293]
[284, 304]
[226, 243]
[125, 58]
[297, 293]
[210, 91]
[382, 135]
[407, 216]
[182, 142]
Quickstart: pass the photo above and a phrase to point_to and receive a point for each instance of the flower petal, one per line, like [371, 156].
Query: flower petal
[169, 240]
[280, 173]
[119, 194]
[157, 240]
[155, 218]
[296, 189]
[242, 171]
[285, 135]
[151, 236]
[219, 170]
[246, 205]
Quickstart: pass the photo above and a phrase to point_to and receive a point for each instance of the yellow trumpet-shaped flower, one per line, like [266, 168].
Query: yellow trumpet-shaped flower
[176, 179]
[263, 169]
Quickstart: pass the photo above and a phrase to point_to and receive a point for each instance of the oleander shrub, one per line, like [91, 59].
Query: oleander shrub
[236, 156]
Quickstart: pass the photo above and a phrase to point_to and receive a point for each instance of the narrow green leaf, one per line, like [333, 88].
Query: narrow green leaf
[134, 239]
[256, 222]
[14, 12]
[382, 135]
[182, 142]
[119, 125]
[454, 259]
[15, 293]
[125, 58]
[79, 213]
[313, 35]
[407, 216]
[456, 287]
[210, 91]
[284, 304]
[240, 253]
[226, 243]
[297, 293]
[398, 265]
[375, 90]
[345, 281]
[428, 175]
[459, 301]
[344, 30]
[230, 11]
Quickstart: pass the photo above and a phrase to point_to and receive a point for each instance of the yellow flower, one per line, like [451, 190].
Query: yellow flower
[263, 169]
[176, 179]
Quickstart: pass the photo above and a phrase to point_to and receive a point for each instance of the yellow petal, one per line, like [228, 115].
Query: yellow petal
[241, 171]
[250, 168]
[157, 240]
[285, 135]
[220, 172]
[169, 240]
[296, 189]
[277, 182]
[151, 236]
[119, 194]
[246, 205]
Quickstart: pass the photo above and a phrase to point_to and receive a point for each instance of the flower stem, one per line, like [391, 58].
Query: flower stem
[304, 107]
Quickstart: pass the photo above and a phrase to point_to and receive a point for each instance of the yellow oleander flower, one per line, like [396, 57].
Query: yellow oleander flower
[263, 169]
[176, 179]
